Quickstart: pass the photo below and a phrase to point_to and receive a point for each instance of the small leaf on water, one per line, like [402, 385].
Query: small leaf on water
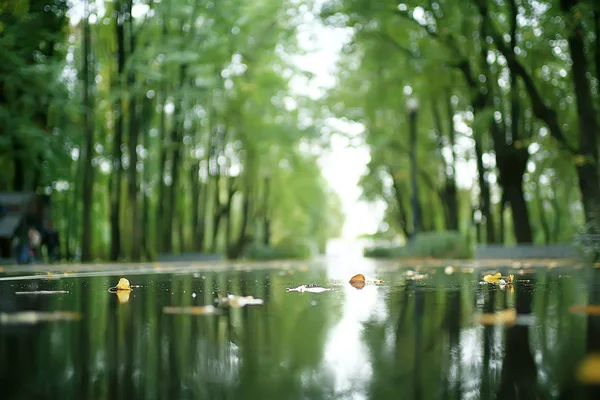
[504, 317]
[358, 278]
[492, 278]
[590, 309]
[510, 279]
[123, 284]
[588, 371]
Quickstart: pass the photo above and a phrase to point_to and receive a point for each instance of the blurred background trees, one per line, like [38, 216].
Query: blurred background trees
[160, 126]
[508, 119]
[170, 126]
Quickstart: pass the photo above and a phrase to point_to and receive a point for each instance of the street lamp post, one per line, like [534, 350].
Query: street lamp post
[412, 105]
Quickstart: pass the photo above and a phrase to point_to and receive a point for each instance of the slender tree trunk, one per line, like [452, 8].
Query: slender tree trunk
[484, 197]
[195, 184]
[88, 148]
[115, 228]
[448, 196]
[542, 213]
[403, 217]
[217, 212]
[502, 235]
[164, 146]
[146, 114]
[266, 209]
[132, 193]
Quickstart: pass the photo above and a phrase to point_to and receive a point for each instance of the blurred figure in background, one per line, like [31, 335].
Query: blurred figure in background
[52, 243]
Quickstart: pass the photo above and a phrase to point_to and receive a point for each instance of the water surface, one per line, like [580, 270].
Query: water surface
[405, 339]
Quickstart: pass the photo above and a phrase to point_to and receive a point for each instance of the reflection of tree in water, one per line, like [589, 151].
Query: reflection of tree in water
[519, 372]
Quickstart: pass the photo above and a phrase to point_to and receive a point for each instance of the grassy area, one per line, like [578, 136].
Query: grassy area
[430, 245]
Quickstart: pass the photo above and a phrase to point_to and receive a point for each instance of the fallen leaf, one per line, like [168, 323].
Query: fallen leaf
[588, 371]
[504, 317]
[123, 284]
[196, 310]
[510, 279]
[590, 309]
[358, 278]
[492, 278]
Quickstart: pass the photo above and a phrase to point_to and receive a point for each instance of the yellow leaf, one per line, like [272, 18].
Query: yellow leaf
[511, 279]
[123, 285]
[492, 278]
[589, 369]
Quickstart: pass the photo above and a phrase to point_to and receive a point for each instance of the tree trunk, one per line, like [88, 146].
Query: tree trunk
[195, 184]
[87, 154]
[115, 229]
[217, 212]
[588, 125]
[163, 148]
[403, 222]
[448, 196]
[520, 213]
[543, 216]
[132, 193]
[484, 197]
[266, 208]
[147, 111]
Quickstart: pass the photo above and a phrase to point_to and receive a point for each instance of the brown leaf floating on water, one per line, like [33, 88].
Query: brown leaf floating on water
[588, 371]
[590, 309]
[197, 310]
[358, 278]
[504, 317]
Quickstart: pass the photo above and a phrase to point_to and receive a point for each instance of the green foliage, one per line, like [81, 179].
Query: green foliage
[447, 244]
